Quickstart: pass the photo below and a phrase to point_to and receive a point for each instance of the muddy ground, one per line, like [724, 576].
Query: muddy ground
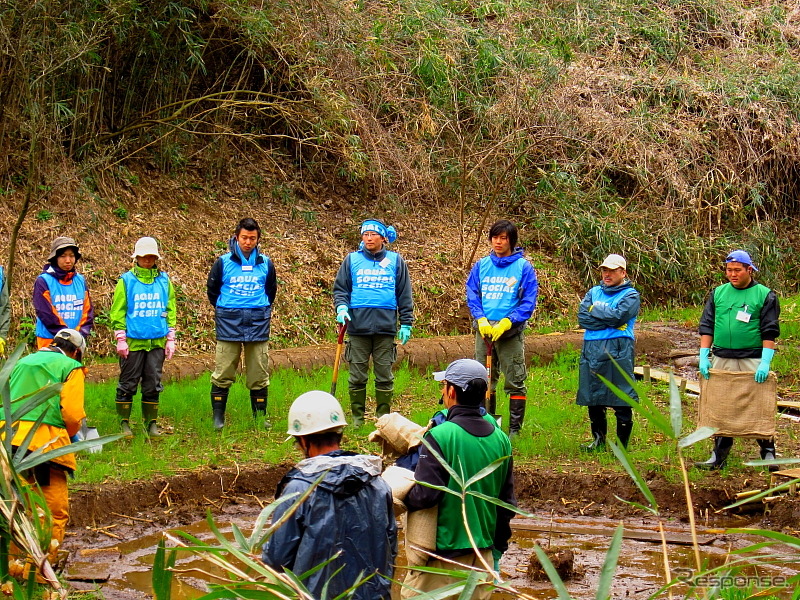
[110, 515]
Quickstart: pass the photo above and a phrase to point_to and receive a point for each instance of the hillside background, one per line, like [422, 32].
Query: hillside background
[666, 131]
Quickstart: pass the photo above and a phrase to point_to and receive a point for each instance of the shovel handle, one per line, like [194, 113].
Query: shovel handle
[341, 329]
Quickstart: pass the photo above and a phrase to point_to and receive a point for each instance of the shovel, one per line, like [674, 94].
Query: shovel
[339, 345]
[491, 399]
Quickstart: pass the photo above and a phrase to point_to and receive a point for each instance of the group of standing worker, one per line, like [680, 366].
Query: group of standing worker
[351, 508]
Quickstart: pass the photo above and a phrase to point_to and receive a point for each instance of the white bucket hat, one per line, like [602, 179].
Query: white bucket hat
[146, 246]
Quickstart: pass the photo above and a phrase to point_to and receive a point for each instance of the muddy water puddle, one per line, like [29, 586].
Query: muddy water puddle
[122, 568]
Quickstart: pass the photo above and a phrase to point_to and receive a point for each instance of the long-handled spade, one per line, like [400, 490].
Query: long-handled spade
[491, 397]
[339, 345]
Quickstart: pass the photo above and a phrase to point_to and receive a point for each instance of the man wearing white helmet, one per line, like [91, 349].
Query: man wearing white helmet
[143, 319]
[60, 362]
[350, 511]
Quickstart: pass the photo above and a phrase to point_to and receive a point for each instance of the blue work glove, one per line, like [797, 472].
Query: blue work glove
[404, 334]
[763, 369]
[342, 316]
[705, 362]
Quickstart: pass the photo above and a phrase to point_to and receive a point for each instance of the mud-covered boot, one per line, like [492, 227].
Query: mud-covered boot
[123, 404]
[358, 401]
[150, 416]
[516, 415]
[258, 402]
[719, 455]
[383, 402]
[768, 453]
[598, 424]
[219, 401]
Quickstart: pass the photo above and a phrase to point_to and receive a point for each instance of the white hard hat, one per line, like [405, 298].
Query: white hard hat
[146, 246]
[314, 412]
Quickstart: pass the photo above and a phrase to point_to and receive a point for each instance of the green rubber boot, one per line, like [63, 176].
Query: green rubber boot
[123, 404]
[358, 401]
[383, 402]
[150, 416]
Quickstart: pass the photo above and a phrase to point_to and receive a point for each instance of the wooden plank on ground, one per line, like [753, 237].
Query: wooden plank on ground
[788, 404]
[673, 537]
[692, 387]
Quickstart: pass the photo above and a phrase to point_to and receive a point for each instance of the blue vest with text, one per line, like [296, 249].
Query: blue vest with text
[499, 288]
[146, 317]
[611, 300]
[67, 300]
[373, 282]
[243, 284]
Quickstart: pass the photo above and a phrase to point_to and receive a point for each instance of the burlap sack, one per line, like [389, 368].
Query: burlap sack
[420, 529]
[737, 405]
[398, 432]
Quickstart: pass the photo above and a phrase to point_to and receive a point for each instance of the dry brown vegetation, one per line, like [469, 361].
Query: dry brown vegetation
[666, 131]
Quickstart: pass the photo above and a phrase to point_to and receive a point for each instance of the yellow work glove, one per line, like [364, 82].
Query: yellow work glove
[2, 346]
[623, 327]
[484, 327]
[502, 326]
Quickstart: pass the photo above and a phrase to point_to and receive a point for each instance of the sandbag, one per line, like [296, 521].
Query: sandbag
[738, 406]
[420, 529]
[398, 433]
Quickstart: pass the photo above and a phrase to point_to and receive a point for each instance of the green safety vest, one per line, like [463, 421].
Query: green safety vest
[36, 371]
[469, 454]
[733, 333]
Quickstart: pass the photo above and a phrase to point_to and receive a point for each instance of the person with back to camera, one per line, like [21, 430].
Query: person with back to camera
[608, 314]
[60, 296]
[241, 287]
[143, 314]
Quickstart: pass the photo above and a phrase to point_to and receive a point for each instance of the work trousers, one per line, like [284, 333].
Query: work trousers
[426, 582]
[256, 364]
[52, 481]
[508, 357]
[141, 365]
[383, 350]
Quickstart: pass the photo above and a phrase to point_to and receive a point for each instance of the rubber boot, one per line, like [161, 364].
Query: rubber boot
[624, 426]
[258, 402]
[719, 455]
[219, 400]
[124, 404]
[358, 400]
[149, 416]
[768, 453]
[599, 427]
[383, 402]
[516, 415]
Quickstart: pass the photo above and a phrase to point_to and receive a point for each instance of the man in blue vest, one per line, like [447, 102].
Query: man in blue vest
[607, 314]
[372, 291]
[241, 287]
[501, 294]
[740, 323]
[468, 442]
[5, 311]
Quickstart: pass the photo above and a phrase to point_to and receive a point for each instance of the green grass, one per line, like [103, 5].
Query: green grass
[554, 426]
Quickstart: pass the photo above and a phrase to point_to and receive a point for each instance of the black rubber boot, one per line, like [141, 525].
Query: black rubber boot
[624, 425]
[516, 415]
[768, 453]
[383, 402]
[123, 404]
[258, 402]
[599, 427]
[719, 455]
[492, 404]
[358, 401]
[219, 400]
[150, 416]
